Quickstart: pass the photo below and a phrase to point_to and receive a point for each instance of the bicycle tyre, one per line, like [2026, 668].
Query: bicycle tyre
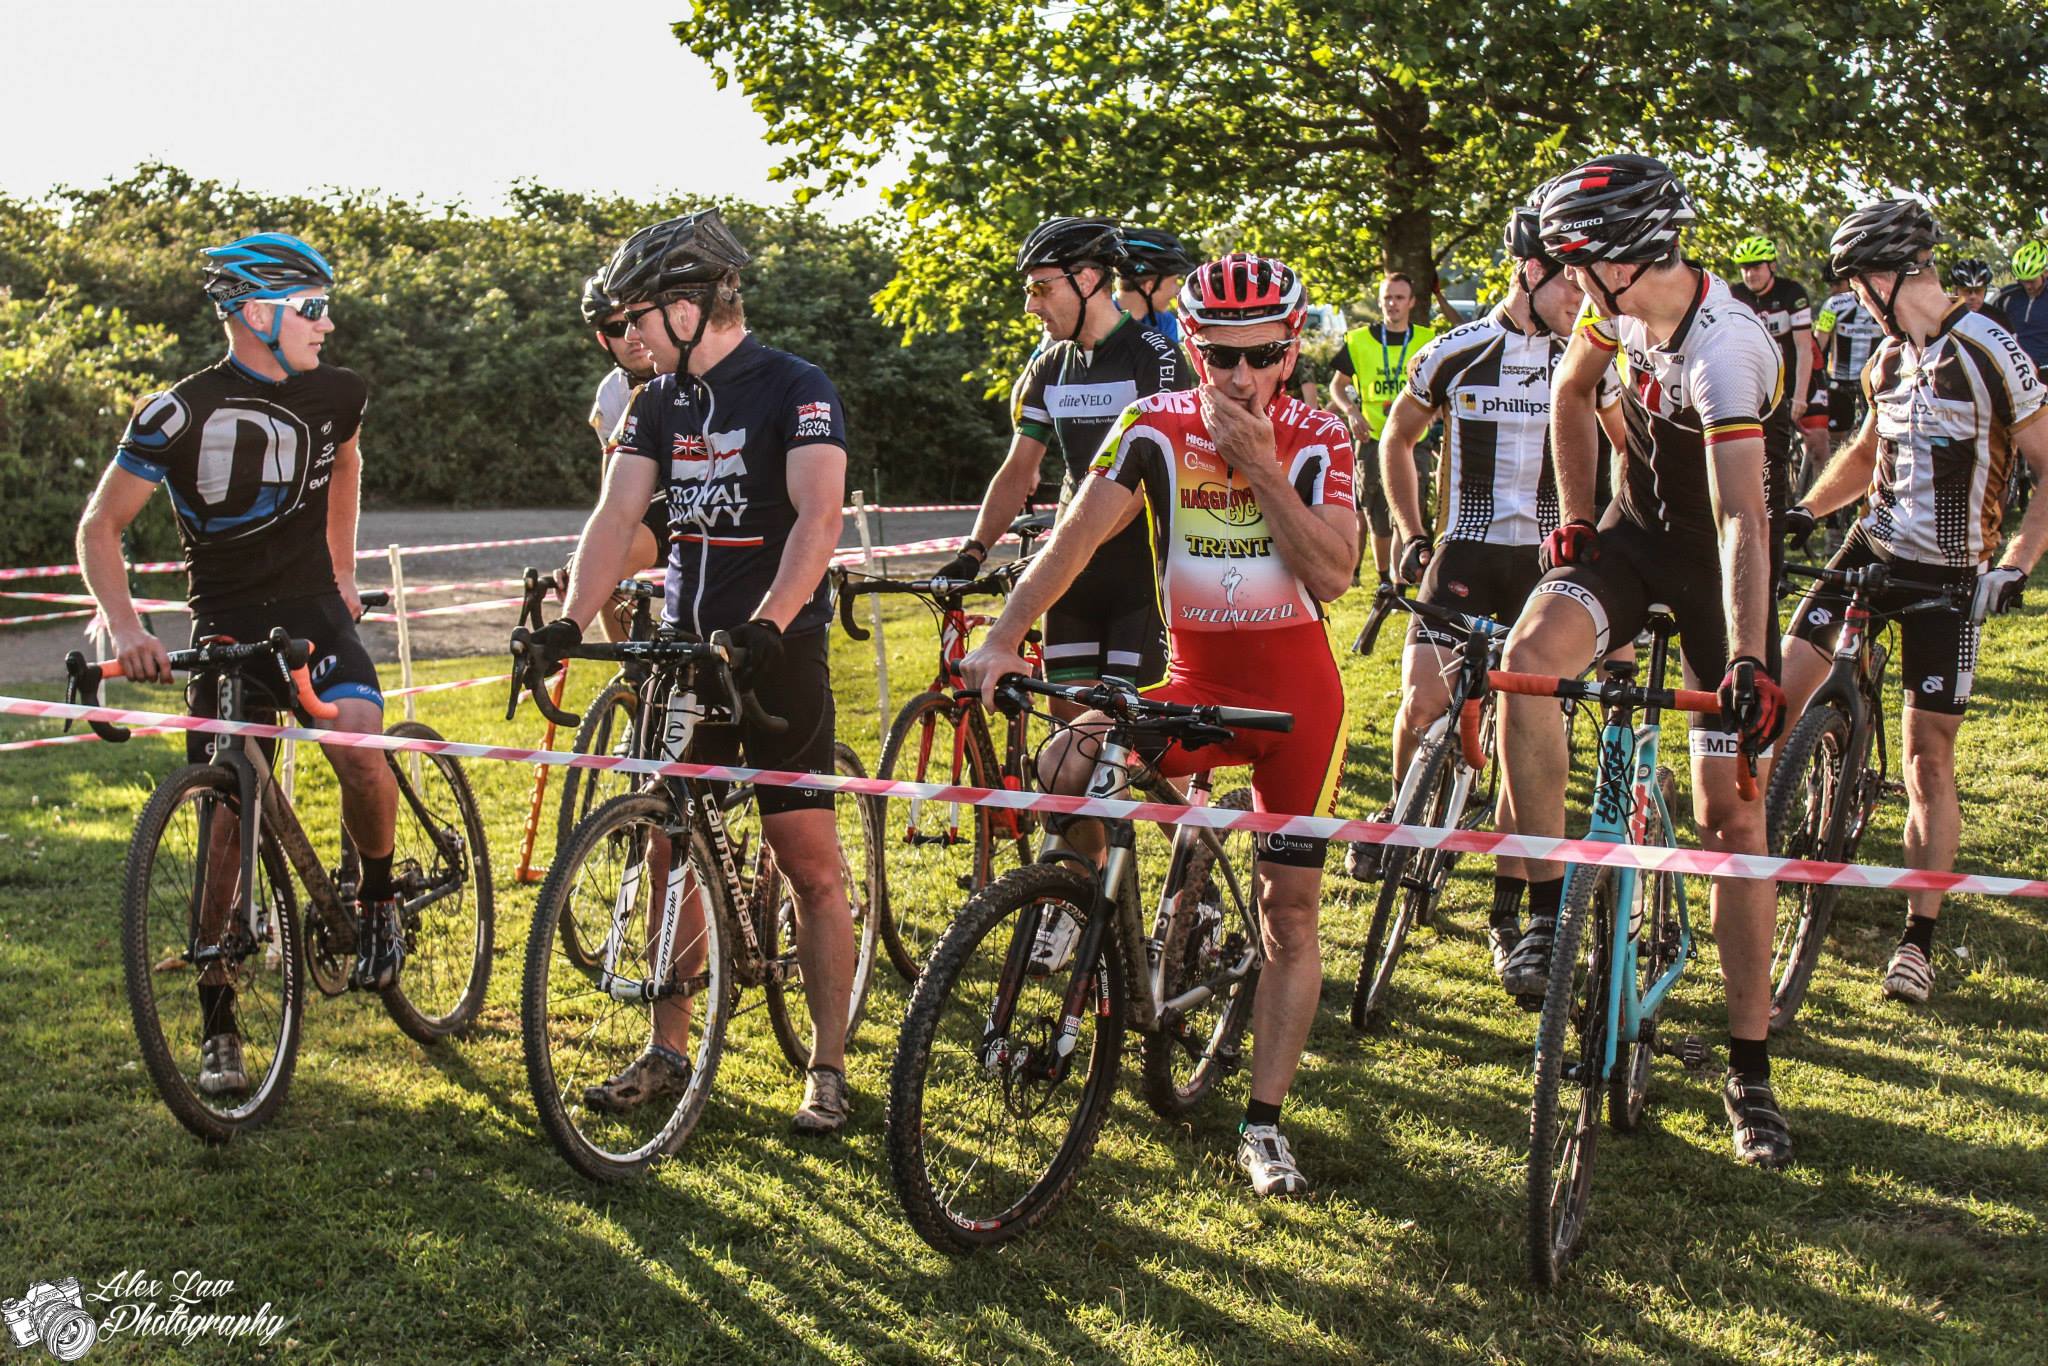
[925, 727]
[143, 965]
[1573, 1003]
[569, 1123]
[430, 1019]
[1192, 947]
[607, 727]
[913, 1133]
[1403, 901]
[1807, 787]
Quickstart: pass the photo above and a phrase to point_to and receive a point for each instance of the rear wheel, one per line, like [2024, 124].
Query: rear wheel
[1808, 786]
[1409, 879]
[1564, 1116]
[441, 873]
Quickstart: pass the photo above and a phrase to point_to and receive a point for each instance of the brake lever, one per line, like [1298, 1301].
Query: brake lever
[846, 620]
[744, 702]
[82, 687]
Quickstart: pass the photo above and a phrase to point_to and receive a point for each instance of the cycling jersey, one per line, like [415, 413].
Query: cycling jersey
[1851, 333]
[1164, 321]
[615, 394]
[1785, 311]
[1377, 360]
[1493, 380]
[247, 462]
[2026, 317]
[722, 444]
[1946, 417]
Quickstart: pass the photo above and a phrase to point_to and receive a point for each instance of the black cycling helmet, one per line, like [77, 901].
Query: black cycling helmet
[1970, 273]
[597, 305]
[1071, 241]
[1153, 252]
[676, 254]
[1522, 239]
[1892, 234]
[1622, 208]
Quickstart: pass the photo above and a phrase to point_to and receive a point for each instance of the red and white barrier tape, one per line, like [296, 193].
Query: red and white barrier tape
[1653, 858]
[40, 617]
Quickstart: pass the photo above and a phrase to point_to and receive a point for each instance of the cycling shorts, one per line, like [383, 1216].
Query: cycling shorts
[1108, 623]
[1294, 773]
[1372, 493]
[1937, 650]
[1478, 578]
[1638, 567]
[1845, 405]
[340, 667]
[799, 690]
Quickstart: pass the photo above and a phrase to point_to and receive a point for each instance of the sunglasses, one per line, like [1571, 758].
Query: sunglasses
[1038, 289]
[616, 331]
[632, 318]
[1262, 357]
[312, 308]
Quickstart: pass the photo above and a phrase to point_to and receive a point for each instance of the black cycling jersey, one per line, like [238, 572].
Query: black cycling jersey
[247, 462]
[1785, 310]
[722, 443]
[2026, 317]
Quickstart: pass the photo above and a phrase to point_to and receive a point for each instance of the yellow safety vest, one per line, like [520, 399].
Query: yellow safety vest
[1379, 370]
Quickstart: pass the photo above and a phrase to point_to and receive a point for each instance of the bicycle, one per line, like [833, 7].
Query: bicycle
[189, 907]
[1825, 787]
[657, 898]
[1437, 790]
[1597, 1034]
[1001, 1033]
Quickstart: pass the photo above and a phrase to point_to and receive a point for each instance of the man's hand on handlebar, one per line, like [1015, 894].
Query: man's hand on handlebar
[143, 657]
[964, 567]
[548, 646]
[760, 644]
[1416, 553]
[986, 665]
[1752, 701]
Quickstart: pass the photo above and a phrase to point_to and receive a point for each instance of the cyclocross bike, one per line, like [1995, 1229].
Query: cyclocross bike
[1010, 1053]
[662, 904]
[1833, 769]
[1449, 785]
[208, 898]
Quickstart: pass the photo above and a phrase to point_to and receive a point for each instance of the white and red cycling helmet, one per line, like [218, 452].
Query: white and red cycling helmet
[1241, 289]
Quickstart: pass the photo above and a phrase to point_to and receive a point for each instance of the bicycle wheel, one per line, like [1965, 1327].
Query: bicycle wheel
[1564, 1116]
[1807, 788]
[583, 1025]
[775, 922]
[941, 852]
[1653, 909]
[185, 855]
[985, 1135]
[607, 728]
[1211, 927]
[441, 871]
[1409, 878]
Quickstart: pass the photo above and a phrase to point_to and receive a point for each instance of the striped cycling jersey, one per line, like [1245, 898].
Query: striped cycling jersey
[1946, 416]
[1492, 381]
[1719, 377]
[1785, 311]
[1852, 334]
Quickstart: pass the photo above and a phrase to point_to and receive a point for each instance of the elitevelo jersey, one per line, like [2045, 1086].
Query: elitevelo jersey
[247, 463]
[1493, 382]
[722, 444]
[1946, 416]
[1719, 378]
[1785, 310]
[1853, 334]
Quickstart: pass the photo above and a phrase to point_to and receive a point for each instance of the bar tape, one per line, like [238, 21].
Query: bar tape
[1654, 858]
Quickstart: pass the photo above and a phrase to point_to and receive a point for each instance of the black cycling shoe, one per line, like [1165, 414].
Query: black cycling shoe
[379, 949]
[1527, 974]
[1758, 1129]
[1362, 860]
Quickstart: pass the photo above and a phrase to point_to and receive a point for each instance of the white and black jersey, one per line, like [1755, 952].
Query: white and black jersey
[1492, 382]
[1852, 334]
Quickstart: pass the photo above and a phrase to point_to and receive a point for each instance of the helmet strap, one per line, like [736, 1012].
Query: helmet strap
[269, 338]
[1551, 270]
[684, 348]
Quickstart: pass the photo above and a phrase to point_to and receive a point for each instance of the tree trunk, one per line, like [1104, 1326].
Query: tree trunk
[1407, 235]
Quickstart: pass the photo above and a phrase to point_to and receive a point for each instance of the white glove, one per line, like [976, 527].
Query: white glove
[1998, 591]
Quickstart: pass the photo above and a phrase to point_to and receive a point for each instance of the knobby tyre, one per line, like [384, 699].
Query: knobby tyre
[441, 871]
[1804, 813]
[177, 902]
[983, 1143]
[1211, 926]
[1409, 879]
[1564, 1115]
[608, 727]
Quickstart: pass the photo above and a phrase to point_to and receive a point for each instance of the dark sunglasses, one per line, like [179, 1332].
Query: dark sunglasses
[634, 315]
[616, 331]
[1262, 357]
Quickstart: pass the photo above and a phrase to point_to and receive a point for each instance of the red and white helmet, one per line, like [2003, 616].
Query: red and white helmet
[1241, 289]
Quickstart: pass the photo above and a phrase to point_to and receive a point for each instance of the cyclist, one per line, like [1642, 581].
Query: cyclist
[2024, 302]
[1784, 307]
[1955, 407]
[1969, 280]
[1100, 360]
[1250, 501]
[632, 367]
[1848, 332]
[1365, 379]
[1689, 528]
[1148, 279]
[1490, 380]
[260, 453]
[749, 444]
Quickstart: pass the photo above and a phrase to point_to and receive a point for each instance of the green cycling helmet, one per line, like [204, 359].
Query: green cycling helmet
[1752, 251]
[2030, 260]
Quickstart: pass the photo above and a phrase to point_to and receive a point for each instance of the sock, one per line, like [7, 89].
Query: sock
[1919, 931]
[1507, 902]
[1750, 1058]
[1257, 1112]
[376, 878]
[1545, 897]
[216, 1011]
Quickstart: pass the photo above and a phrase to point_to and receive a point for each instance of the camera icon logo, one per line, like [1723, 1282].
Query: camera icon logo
[53, 1314]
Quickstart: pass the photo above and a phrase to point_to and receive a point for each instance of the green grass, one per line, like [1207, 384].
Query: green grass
[404, 1206]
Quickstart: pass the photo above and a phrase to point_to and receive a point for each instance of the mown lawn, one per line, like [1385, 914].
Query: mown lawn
[404, 1205]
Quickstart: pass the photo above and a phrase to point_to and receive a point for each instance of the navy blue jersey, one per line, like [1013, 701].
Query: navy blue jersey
[721, 443]
[2026, 316]
[247, 463]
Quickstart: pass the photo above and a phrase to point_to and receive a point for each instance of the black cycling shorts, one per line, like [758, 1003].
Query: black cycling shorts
[1845, 405]
[340, 666]
[1937, 650]
[799, 690]
[1108, 623]
[1478, 579]
[1638, 567]
[1379, 513]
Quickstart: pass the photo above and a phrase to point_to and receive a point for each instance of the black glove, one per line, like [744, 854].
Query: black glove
[548, 646]
[1576, 542]
[1759, 716]
[760, 645]
[1998, 590]
[1799, 525]
[964, 567]
[1416, 553]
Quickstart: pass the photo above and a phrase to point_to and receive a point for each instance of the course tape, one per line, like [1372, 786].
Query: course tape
[40, 617]
[1652, 858]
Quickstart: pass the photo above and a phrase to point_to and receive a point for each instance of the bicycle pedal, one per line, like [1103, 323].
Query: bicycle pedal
[1691, 1051]
[1530, 1005]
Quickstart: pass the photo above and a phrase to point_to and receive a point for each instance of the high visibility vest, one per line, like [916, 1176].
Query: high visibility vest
[1379, 370]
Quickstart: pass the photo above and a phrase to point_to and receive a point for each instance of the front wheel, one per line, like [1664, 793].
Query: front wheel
[1564, 1115]
[1409, 878]
[1804, 813]
[1654, 903]
[608, 727]
[441, 874]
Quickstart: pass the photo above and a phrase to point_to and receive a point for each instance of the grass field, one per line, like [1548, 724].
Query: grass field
[404, 1206]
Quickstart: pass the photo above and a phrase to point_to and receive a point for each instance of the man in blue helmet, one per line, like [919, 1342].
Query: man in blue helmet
[259, 455]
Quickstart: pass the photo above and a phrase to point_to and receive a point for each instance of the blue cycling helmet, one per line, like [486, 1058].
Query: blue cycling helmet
[264, 265]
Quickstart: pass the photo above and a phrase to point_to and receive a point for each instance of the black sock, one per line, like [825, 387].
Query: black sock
[1919, 932]
[1545, 897]
[1750, 1058]
[216, 1011]
[1258, 1112]
[376, 878]
[1507, 902]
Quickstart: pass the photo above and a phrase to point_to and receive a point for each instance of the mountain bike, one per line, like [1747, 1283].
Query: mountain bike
[1011, 1047]
[1449, 784]
[661, 906]
[208, 900]
[1833, 769]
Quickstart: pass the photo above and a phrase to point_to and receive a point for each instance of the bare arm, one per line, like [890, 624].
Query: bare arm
[1407, 421]
[1735, 477]
[2023, 551]
[117, 501]
[1009, 489]
[817, 488]
[1802, 348]
[1616, 427]
[344, 506]
[1847, 475]
[607, 540]
[1574, 404]
[1344, 393]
